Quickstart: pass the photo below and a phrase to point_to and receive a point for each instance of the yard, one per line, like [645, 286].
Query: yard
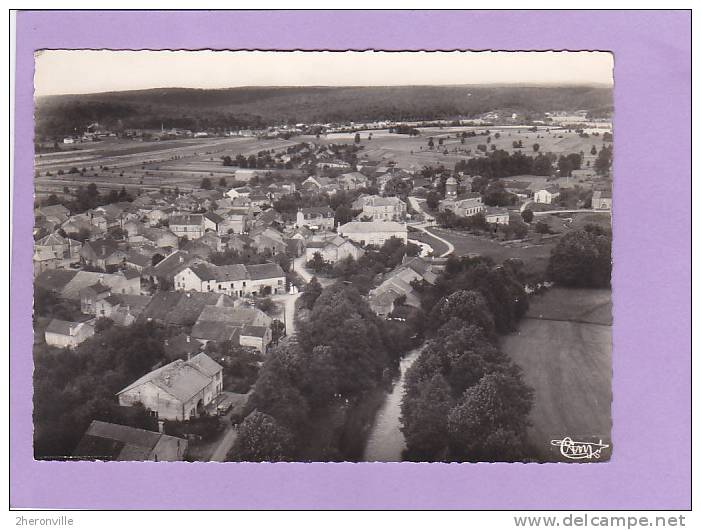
[564, 348]
[535, 256]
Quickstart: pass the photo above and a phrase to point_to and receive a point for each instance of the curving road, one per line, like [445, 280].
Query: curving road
[430, 220]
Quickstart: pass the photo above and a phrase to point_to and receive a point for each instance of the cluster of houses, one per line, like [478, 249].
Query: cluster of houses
[151, 259]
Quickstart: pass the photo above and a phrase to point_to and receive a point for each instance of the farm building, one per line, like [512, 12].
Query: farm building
[333, 250]
[317, 218]
[177, 391]
[546, 195]
[374, 232]
[112, 442]
[64, 334]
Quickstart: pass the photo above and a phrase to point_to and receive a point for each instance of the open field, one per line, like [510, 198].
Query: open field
[146, 165]
[534, 256]
[567, 361]
[412, 151]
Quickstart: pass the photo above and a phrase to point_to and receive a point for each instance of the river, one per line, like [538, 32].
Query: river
[386, 441]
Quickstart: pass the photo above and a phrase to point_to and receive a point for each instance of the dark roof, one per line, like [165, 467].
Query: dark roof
[138, 259]
[214, 331]
[179, 308]
[254, 331]
[264, 271]
[62, 327]
[130, 274]
[187, 219]
[54, 280]
[215, 218]
[179, 346]
[98, 288]
[109, 441]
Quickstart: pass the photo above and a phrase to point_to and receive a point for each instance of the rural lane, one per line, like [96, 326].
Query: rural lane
[225, 445]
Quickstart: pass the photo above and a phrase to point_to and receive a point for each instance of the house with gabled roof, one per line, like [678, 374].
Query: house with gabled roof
[316, 218]
[546, 195]
[373, 232]
[113, 442]
[65, 334]
[332, 250]
[55, 214]
[177, 391]
[104, 254]
[180, 308]
[397, 284]
[243, 325]
[165, 270]
[187, 225]
[234, 280]
[352, 181]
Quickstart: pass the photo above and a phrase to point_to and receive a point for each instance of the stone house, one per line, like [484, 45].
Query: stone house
[374, 232]
[64, 334]
[177, 391]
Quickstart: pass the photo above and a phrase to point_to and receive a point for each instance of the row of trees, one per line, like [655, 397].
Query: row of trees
[88, 197]
[340, 352]
[500, 164]
[74, 387]
[465, 400]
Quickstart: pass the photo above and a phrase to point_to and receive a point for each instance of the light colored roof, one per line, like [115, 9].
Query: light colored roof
[205, 364]
[376, 200]
[354, 227]
[51, 240]
[254, 331]
[181, 379]
[61, 327]
[239, 316]
[128, 443]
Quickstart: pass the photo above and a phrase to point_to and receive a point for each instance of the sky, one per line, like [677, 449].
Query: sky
[90, 71]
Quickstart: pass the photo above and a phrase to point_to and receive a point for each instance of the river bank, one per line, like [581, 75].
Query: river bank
[385, 440]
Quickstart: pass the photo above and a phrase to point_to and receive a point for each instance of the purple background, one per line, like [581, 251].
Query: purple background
[650, 468]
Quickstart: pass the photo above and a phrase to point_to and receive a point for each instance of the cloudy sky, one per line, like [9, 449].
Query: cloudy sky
[88, 71]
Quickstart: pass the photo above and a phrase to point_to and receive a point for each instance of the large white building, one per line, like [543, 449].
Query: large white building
[546, 195]
[373, 232]
[233, 280]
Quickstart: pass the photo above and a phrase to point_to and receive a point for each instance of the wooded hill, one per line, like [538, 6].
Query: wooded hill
[258, 106]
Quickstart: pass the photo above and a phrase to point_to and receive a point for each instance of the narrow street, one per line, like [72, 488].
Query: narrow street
[288, 301]
[301, 269]
[225, 444]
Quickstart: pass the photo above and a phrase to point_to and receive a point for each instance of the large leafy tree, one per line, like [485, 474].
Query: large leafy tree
[262, 439]
[582, 258]
[489, 423]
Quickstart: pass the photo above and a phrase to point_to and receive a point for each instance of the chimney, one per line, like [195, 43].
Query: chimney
[189, 355]
[187, 338]
[161, 428]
